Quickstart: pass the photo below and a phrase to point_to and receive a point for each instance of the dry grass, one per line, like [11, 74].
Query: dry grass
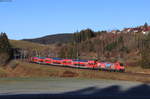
[25, 69]
[30, 47]
[24, 44]
[3, 72]
[137, 69]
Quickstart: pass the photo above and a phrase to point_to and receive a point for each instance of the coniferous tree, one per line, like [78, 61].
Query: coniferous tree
[5, 49]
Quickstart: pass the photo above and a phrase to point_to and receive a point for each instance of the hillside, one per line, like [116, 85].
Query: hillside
[28, 49]
[52, 39]
[130, 46]
[24, 44]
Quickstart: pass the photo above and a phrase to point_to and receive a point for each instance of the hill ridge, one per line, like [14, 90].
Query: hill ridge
[52, 39]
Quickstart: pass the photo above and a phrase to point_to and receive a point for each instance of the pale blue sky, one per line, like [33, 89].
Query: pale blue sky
[35, 18]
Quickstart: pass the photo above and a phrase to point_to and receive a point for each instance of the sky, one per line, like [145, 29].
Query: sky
[22, 19]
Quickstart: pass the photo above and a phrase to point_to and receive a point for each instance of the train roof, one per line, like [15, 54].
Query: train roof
[57, 58]
[48, 57]
[35, 57]
[42, 57]
[78, 60]
[67, 59]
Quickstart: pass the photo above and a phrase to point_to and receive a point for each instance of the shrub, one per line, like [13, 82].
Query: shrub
[4, 57]
[13, 64]
[111, 46]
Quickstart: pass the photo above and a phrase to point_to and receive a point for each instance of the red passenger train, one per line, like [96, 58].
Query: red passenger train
[76, 63]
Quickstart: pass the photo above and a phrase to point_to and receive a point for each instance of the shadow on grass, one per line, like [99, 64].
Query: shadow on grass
[112, 92]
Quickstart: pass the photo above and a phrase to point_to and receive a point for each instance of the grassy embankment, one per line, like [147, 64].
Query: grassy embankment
[25, 69]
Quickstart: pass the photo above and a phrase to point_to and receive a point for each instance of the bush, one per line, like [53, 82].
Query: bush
[124, 49]
[111, 46]
[13, 64]
[4, 57]
[145, 61]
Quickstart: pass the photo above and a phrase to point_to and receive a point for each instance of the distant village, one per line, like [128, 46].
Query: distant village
[141, 29]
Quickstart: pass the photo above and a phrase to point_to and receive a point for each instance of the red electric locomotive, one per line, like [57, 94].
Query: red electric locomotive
[111, 66]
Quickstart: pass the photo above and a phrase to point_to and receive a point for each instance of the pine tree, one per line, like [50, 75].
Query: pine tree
[5, 49]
